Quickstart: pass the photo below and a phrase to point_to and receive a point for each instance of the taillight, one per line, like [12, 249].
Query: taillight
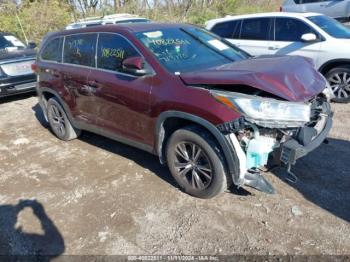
[34, 67]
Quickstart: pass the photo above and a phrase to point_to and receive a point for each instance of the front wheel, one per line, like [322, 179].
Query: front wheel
[196, 162]
[339, 80]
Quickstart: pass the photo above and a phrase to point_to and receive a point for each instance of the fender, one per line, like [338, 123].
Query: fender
[42, 102]
[334, 61]
[232, 160]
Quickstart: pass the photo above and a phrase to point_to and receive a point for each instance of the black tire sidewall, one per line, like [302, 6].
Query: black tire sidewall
[339, 70]
[219, 181]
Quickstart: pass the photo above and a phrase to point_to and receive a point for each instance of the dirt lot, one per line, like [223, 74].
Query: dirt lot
[96, 196]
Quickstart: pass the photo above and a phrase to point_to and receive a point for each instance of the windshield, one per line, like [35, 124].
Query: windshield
[191, 49]
[331, 26]
[10, 42]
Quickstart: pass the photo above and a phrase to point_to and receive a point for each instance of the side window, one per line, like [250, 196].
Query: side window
[229, 29]
[53, 50]
[80, 49]
[291, 30]
[256, 29]
[112, 50]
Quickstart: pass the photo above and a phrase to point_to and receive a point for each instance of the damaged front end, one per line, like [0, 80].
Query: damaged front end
[273, 132]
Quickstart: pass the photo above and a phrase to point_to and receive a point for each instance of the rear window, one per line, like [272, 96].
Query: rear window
[80, 49]
[229, 29]
[256, 29]
[53, 50]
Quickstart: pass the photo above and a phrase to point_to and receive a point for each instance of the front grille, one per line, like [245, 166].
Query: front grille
[317, 107]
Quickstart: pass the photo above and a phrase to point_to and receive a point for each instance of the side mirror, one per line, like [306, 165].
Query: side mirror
[308, 38]
[135, 66]
[31, 45]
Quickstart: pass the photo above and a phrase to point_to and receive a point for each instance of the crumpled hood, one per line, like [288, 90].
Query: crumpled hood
[16, 54]
[292, 78]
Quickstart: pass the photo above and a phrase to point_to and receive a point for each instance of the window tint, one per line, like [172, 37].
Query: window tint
[291, 30]
[53, 50]
[230, 29]
[80, 49]
[112, 50]
[256, 29]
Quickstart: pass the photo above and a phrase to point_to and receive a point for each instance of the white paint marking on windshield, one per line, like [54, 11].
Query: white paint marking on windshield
[154, 34]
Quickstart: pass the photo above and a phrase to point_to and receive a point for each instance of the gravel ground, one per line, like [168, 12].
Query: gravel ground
[94, 196]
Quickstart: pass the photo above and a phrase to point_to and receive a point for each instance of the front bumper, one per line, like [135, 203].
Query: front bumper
[17, 85]
[293, 149]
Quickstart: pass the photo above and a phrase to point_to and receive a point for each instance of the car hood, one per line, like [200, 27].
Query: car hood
[291, 78]
[16, 54]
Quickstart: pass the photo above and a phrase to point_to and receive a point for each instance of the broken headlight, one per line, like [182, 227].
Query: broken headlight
[266, 112]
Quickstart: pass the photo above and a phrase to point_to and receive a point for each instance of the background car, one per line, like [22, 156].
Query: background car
[339, 9]
[108, 20]
[16, 58]
[321, 38]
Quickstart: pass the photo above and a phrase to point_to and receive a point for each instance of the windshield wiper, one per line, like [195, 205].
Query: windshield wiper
[207, 45]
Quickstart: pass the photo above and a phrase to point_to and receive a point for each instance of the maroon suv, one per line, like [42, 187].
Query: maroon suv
[212, 112]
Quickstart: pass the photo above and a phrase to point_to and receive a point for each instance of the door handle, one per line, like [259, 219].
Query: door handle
[273, 48]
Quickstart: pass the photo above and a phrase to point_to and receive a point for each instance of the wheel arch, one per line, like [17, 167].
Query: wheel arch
[326, 67]
[47, 93]
[170, 121]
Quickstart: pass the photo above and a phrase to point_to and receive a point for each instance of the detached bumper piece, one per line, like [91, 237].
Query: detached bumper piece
[296, 148]
[257, 181]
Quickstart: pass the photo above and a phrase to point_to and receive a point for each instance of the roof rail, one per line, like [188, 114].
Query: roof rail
[118, 16]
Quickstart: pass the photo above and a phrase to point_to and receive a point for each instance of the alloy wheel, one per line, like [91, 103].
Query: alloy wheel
[58, 122]
[340, 84]
[192, 164]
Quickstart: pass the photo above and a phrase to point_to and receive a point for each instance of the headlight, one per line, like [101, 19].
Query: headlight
[266, 112]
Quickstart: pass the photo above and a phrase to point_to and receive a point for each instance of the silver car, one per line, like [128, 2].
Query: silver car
[339, 9]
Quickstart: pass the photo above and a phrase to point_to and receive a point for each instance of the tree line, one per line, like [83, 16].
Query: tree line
[32, 19]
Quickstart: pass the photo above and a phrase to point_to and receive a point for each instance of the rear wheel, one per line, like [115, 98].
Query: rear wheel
[59, 122]
[196, 162]
[339, 80]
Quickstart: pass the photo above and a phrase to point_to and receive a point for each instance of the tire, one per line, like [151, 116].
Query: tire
[203, 173]
[339, 80]
[59, 122]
